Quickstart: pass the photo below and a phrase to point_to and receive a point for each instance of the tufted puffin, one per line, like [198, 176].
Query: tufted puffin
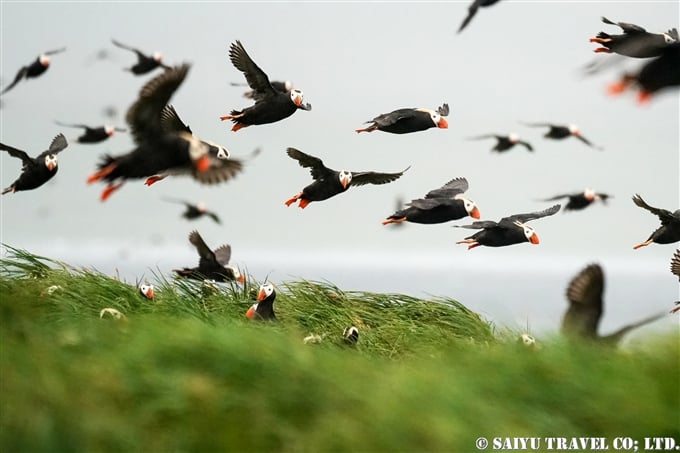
[558, 132]
[93, 134]
[504, 142]
[439, 206]
[157, 149]
[34, 69]
[271, 105]
[668, 232]
[213, 265]
[35, 171]
[580, 200]
[145, 63]
[263, 309]
[195, 211]
[404, 121]
[328, 183]
[507, 231]
[635, 41]
[582, 318]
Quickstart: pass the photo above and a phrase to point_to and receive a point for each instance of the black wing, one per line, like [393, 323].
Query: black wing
[479, 225]
[171, 122]
[14, 152]
[256, 78]
[145, 114]
[55, 51]
[472, 10]
[20, 75]
[663, 214]
[203, 250]
[371, 177]
[58, 144]
[140, 54]
[587, 142]
[178, 201]
[223, 254]
[675, 264]
[316, 166]
[539, 124]
[82, 126]
[584, 294]
[481, 137]
[387, 119]
[626, 27]
[532, 215]
[558, 197]
[526, 145]
[450, 189]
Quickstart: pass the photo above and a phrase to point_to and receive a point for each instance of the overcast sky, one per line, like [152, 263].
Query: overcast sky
[516, 61]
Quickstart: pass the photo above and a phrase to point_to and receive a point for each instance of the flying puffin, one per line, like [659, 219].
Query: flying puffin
[582, 318]
[263, 309]
[404, 121]
[439, 206]
[213, 265]
[635, 41]
[195, 211]
[283, 87]
[34, 69]
[157, 150]
[145, 63]
[580, 200]
[668, 232]
[504, 142]
[271, 105]
[328, 183]
[221, 166]
[662, 72]
[472, 10]
[93, 134]
[38, 170]
[558, 132]
[507, 231]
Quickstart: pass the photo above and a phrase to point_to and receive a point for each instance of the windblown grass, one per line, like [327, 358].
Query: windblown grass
[188, 372]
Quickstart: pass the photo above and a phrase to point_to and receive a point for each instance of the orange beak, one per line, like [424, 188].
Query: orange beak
[50, 166]
[443, 124]
[203, 164]
[149, 294]
[250, 314]
[298, 101]
[475, 213]
[261, 295]
[241, 279]
[534, 239]
[344, 183]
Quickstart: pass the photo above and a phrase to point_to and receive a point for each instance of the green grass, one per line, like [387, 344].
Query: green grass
[188, 372]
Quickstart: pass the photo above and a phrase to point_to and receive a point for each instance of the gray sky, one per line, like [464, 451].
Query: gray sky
[516, 61]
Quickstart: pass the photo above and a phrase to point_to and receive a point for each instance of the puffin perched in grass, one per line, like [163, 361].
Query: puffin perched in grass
[504, 142]
[263, 309]
[580, 200]
[559, 132]
[36, 171]
[635, 42]
[582, 318]
[439, 206]
[195, 211]
[93, 134]
[328, 183]
[472, 10]
[213, 265]
[271, 105]
[405, 121]
[33, 70]
[668, 232]
[157, 149]
[145, 63]
[507, 231]
[660, 73]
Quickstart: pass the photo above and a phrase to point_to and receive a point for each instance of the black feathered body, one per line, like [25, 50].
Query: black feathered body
[445, 211]
[93, 135]
[35, 69]
[500, 235]
[558, 132]
[144, 64]
[276, 108]
[661, 72]
[667, 233]
[34, 175]
[323, 189]
[210, 270]
[404, 121]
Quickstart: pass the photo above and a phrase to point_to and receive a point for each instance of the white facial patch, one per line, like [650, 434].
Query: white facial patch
[573, 129]
[157, 57]
[514, 138]
[51, 161]
[268, 289]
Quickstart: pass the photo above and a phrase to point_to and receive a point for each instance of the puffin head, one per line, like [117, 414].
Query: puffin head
[590, 194]
[529, 233]
[44, 60]
[350, 335]
[51, 162]
[146, 290]
[218, 151]
[345, 178]
[266, 292]
[469, 205]
[200, 207]
[110, 130]
[298, 98]
[238, 276]
[438, 119]
[668, 39]
[157, 57]
[513, 137]
[574, 130]
[198, 153]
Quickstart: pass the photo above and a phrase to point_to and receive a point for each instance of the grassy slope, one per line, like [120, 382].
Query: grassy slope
[188, 372]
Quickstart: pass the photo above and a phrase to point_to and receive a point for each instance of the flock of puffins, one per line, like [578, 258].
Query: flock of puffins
[166, 146]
